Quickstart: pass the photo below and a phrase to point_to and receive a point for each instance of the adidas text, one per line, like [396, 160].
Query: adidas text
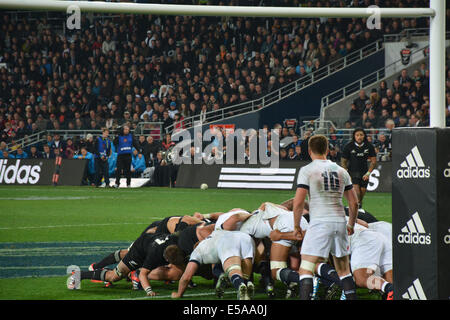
[18, 174]
[414, 238]
[413, 173]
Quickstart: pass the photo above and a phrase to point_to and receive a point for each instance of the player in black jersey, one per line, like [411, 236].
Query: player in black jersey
[355, 156]
[148, 252]
[167, 225]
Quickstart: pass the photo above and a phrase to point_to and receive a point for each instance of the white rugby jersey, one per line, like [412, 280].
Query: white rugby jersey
[206, 251]
[224, 217]
[326, 182]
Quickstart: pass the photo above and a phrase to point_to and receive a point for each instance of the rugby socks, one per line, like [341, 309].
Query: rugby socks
[236, 280]
[348, 286]
[306, 287]
[387, 287]
[98, 274]
[287, 276]
[217, 270]
[328, 275]
[108, 260]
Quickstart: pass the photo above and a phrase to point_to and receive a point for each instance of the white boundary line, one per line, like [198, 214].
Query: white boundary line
[184, 296]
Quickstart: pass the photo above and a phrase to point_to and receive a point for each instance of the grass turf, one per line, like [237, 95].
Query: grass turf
[49, 216]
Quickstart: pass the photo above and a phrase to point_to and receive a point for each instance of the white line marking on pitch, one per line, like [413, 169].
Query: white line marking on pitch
[77, 225]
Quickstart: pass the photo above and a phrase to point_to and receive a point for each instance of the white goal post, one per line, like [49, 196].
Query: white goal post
[436, 12]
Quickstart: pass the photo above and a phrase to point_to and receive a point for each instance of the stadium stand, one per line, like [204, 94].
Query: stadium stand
[153, 72]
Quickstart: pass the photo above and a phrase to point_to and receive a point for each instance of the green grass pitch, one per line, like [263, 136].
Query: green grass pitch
[43, 230]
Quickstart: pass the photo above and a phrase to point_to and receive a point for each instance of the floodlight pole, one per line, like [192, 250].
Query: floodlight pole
[437, 64]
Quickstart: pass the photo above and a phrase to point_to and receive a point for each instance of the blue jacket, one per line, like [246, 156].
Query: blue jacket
[91, 162]
[138, 163]
[112, 162]
[24, 155]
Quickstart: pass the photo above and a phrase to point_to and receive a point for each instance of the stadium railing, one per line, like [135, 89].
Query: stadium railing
[153, 129]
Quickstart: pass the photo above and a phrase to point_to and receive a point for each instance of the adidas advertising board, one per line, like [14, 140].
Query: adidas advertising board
[252, 176]
[420, 207]
[40, 171]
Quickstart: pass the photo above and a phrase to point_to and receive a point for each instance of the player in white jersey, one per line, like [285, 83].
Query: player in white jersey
[371, 259]
[326, 183]
[233, 249]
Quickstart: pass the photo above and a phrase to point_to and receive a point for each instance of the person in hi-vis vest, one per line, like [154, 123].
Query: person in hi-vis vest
[124, 143]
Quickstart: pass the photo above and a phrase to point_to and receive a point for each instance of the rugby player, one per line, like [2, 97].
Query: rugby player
[326, 183]
[371, 256]
[167, 225]
[234, 250]
[147, 253]
[355, 156]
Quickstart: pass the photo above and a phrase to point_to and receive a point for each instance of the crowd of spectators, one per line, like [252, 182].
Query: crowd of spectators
[136, 68]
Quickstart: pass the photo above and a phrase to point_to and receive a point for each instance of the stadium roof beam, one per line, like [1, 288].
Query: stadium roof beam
[203, 10]
[436, 13]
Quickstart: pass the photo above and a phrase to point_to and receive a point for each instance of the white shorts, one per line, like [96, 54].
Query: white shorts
[323, 238]
[383, 227]
[235, 244]
[371, 250]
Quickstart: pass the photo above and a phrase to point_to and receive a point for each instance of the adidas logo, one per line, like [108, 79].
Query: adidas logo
[415, 292]
[413, 167]
[414, 232]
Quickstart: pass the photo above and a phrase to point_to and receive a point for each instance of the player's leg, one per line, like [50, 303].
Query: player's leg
[233, 269]
[262, 266]
[279, 255]
[306, 272]
[362, 193]
[342, 266]
[357, 189]
[110, 259]
[366, 278]
[119, 272]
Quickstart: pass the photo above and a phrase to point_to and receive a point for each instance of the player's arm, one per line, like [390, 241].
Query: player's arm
[352, 200]
[191, 269]
[362, 222]
[277, 235]
[372, 165]
[143, 278]
[212, 216]
[299, 203]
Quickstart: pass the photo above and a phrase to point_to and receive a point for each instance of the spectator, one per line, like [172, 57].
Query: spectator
[137, 164]
[47, 153]
[89, 172]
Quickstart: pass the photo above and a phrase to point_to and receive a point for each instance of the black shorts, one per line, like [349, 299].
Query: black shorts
[358, 180]
[133, 259]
